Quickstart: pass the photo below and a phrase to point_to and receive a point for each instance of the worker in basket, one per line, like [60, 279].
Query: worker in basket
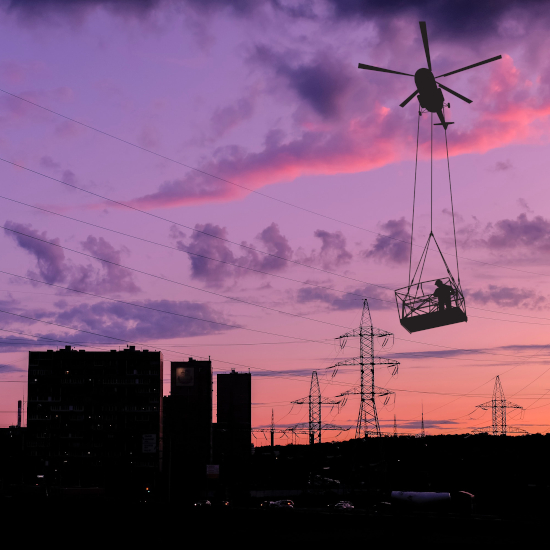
[443, 294]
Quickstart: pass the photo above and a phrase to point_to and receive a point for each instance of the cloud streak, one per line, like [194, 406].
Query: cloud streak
[333, 252]
[214, 263]
[507, 297]
[54, 268]
[130, 323]
[378, 299]
[391, 247]
[508, 107]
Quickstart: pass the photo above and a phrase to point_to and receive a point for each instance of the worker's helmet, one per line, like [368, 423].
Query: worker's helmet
[438, 282]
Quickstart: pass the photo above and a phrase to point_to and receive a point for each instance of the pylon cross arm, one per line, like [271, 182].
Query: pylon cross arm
[510, 405]
[330, 401]
[379, 333]
[346, 363]
[301, 401]
[351, 334]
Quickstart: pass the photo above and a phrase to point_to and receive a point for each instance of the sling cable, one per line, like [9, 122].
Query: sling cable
[420, 307]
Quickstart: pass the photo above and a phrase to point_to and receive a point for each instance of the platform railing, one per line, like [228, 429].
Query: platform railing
[418, 299]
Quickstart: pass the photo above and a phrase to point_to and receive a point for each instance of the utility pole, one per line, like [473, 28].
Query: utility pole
[422, 430]
[498, 406]
[315, 402]
[367, 421]
[272, 430]
[394, 426]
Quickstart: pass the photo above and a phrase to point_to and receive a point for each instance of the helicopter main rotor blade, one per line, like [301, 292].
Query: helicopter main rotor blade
[472, 66]
[408, 99]
[372, 68]
[424, 32]
[455, 93]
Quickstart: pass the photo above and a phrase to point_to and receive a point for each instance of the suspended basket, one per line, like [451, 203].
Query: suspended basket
[419, 309]
[423, 305]
[429, 304]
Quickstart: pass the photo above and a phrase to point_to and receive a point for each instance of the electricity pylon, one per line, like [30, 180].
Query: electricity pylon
[498, 406]
[271, 431]
[315, 402]
[367, 421]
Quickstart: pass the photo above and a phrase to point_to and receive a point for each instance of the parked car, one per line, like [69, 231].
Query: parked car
[282, 504]
[343, 505]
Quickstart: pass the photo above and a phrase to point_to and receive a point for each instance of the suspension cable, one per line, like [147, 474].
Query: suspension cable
[431, 173]
[452, 209]
[414, 194]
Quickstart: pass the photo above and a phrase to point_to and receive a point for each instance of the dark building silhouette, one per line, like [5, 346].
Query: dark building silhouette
[232, 448]
[188, 428]
[234, 401]
[13, 467]
[94, 419]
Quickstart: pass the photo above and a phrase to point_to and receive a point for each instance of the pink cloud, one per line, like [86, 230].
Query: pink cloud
[509, 109]
[315, 152]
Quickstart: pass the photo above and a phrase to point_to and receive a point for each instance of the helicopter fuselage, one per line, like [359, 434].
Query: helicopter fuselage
[429, 95]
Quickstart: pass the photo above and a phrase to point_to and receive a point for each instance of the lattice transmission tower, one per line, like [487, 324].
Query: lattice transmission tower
[315, 403]
[498, 406]
[272, 430]
[367, 421]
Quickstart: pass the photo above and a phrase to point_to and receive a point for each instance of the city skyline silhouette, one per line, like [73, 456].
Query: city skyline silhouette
[243, 213]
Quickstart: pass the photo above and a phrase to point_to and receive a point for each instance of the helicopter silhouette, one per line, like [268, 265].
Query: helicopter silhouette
[430, 96]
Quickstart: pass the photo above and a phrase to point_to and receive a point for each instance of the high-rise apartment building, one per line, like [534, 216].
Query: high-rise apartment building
[188, 428]
[95, 417]
[233, 430]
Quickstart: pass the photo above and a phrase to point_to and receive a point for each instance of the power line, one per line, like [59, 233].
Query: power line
[172, 281]
[188, 227]
[252, 269]
[290, 376]
[248, 329]
[223, 295]
[277, 373]
[254, 191]
[202, 255]
[486, 263]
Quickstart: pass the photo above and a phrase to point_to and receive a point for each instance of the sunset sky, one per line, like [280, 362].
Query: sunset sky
[231, 129]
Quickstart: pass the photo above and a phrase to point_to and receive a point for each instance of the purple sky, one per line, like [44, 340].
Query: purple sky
[315, 164]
